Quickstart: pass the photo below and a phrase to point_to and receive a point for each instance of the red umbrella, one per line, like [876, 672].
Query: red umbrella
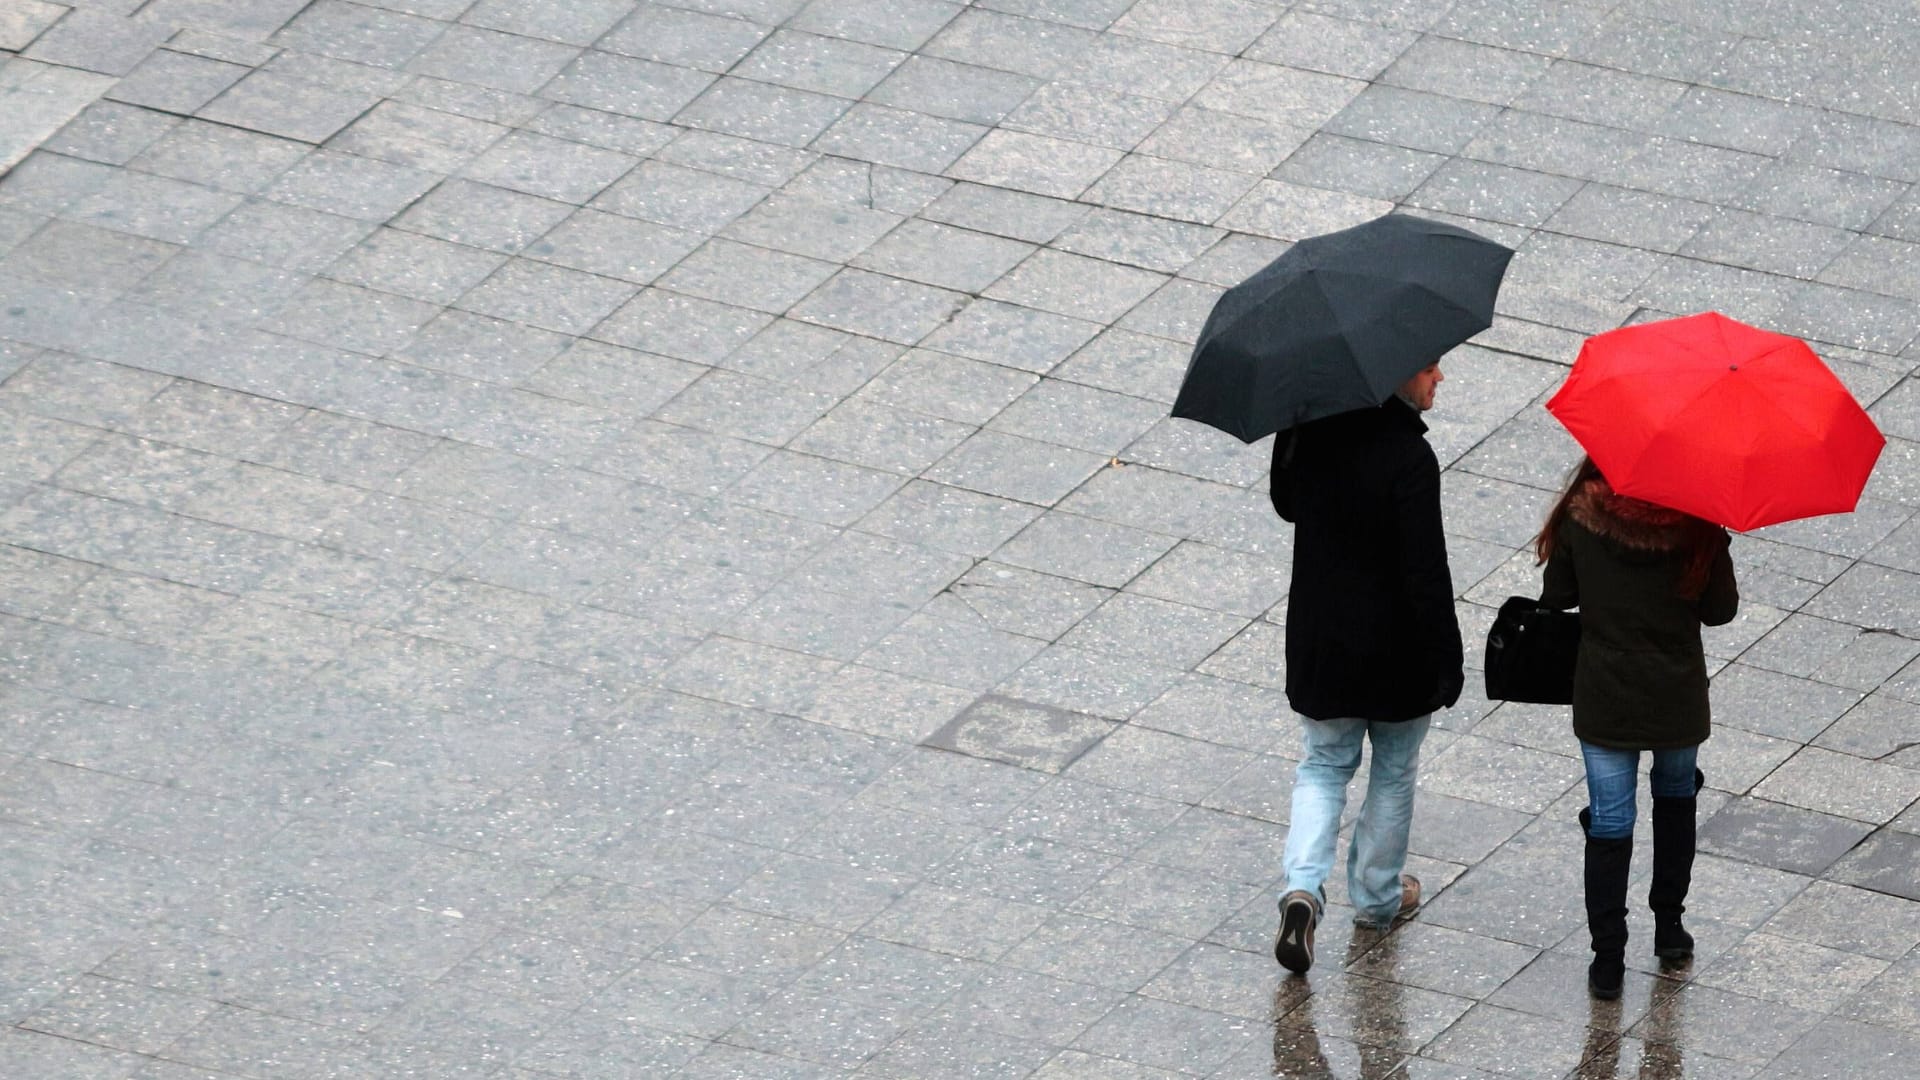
[1728, 422]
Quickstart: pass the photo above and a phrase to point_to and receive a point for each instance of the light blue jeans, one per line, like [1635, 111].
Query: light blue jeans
[1613, 775]
[1379, 849]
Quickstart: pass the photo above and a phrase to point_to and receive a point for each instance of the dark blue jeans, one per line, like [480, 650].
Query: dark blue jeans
[1612, 776]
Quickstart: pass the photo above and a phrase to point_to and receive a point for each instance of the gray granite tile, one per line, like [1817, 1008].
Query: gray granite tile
[1879, 1051]
[1011, 335]
[898, 24]
[1689, 170]
[860, 184]
[1735, 121]
[60, 1056]
[1010, 42]
[817, 489]
[627, 86]
[1129, 363]
[627, 134]
[489, 58]
[1331, 43]
[479, 215]
[1166, 1035]
[898, 138]
[1219, 140]
[763, 112]
[1814, 977]
[580, 24]
[1603, 95]
[1512, 1043]
[1075, 285]
[825, 65]
[27, 21]
[99, 41]
[1849, 919]
[1765, 243]
[602, 1044]
[1015, 468]
[690, 38]
[1644, 42]
[110, 132]
[1462, 69]
[942, 255]
[1038, 164]
[1841, 784]
[1078, 416]
[1773, 834]
[153, 206]
[1290, 211]
[1886, 1000]
[364, 320]
[1822, 195]
[349, 32]
[956, 923]
[1086, 114]
[551, 168]
[414, 265]
[351, 186]
[1551, 144]
[953, 91]
[949, 518]
[747, 276]
[48, 183]
[1622, 216]
[419, 137]
[552, 298]
[1515, 196]
[1004, 212]
[1416, 119]
[276, 104]
[1367, 168]
[1284, 95]
[875, 305]
[796, 1025]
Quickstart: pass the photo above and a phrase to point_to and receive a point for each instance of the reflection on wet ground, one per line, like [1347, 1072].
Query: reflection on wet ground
[1338, 1025]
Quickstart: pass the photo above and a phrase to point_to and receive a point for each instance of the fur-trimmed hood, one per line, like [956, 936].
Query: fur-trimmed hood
[1630, 522]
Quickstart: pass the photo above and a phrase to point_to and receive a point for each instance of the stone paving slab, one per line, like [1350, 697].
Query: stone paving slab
[642, 537]
[38, 99]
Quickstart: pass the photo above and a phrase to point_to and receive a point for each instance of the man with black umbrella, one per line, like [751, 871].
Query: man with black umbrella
[1373, 647]
[1335, 345]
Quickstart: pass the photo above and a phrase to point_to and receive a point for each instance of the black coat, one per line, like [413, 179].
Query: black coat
[1371, 630]
[1640, 682]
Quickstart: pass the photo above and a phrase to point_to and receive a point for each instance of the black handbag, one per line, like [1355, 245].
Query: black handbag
[1530, 653]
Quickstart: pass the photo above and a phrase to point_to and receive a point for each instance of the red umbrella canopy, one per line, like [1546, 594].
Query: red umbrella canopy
[1728, 422]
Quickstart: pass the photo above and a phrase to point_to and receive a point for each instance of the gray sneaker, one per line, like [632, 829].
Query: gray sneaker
[1293, 946]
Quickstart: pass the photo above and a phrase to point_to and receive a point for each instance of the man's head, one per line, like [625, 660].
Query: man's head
[1418, 391]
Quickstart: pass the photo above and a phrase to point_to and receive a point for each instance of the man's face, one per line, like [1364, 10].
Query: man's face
[1419, 389]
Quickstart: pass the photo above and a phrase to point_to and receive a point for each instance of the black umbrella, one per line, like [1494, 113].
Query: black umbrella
[1338, 322]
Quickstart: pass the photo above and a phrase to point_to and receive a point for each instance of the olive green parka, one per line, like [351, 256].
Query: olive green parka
[1640, 682]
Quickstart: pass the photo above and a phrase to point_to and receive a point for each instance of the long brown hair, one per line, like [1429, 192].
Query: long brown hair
[1582, 472]
[1702, 537]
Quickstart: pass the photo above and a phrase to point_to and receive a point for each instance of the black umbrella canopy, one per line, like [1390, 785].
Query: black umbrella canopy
[1339, 321]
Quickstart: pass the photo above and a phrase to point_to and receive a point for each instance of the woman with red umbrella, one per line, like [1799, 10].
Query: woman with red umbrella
[1692, 426]
[1645, 579]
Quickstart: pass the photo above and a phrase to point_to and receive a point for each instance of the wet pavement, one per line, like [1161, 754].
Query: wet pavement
[616, 540]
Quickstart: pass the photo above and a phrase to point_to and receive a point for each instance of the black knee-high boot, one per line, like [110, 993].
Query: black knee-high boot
[1673, 847]
[1608, 863]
